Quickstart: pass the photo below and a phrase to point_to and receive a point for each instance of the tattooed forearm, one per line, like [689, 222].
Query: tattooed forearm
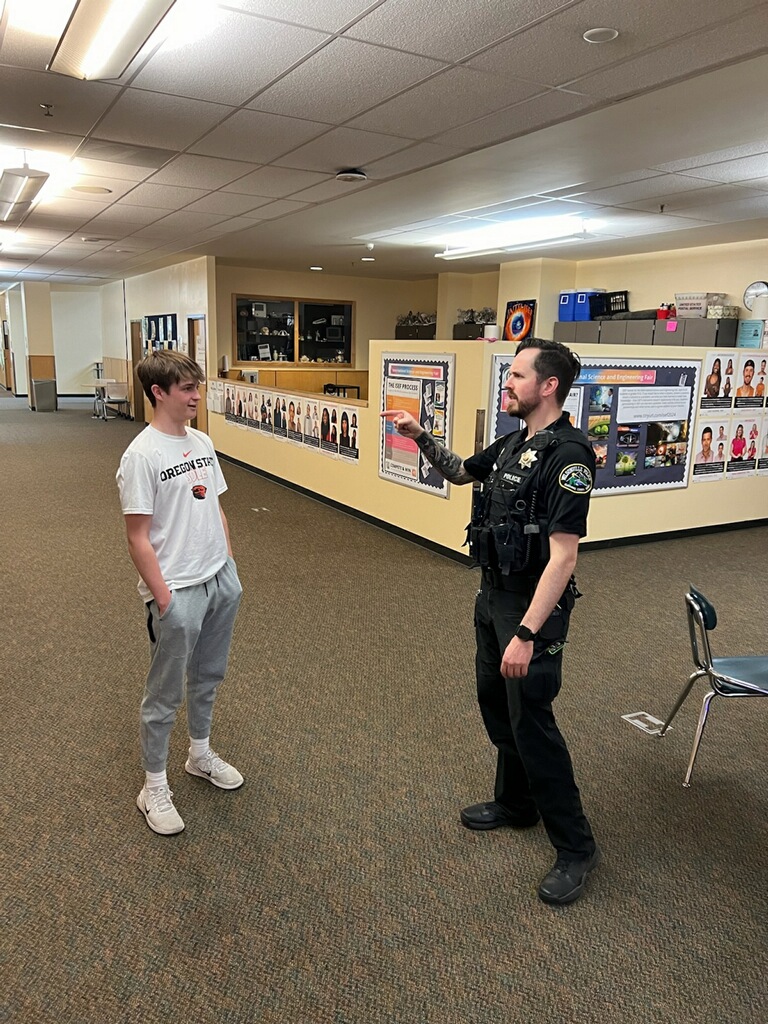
[448, 464]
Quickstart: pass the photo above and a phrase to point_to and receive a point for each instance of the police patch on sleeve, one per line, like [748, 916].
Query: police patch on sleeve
[576, 478]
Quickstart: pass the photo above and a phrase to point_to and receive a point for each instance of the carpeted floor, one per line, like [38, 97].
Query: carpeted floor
[337, 886]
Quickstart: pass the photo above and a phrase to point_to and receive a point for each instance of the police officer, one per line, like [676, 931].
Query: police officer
[525, 535]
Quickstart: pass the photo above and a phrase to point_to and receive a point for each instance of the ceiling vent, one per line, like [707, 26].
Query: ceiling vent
[352, 174]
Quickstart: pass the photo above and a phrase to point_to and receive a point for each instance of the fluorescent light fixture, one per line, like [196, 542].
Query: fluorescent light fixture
[103, 36]
[513, 236]
[19, 187]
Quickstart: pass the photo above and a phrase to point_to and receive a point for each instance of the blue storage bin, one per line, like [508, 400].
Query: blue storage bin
[566, 307]
[581, 305]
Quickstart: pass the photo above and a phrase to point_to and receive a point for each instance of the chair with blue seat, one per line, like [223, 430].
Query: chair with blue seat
[729, 677]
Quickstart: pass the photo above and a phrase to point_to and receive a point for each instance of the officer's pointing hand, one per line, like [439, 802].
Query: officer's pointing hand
[517, 658]
[404, 423]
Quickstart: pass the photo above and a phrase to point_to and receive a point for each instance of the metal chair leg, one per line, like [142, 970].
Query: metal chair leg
[699, 734]
[686, 690]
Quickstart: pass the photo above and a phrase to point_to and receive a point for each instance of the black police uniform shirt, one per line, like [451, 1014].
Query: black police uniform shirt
[565, 479]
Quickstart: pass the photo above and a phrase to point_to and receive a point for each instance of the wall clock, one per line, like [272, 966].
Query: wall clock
[752, 291]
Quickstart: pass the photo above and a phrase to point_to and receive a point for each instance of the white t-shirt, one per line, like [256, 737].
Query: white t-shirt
[177, 481]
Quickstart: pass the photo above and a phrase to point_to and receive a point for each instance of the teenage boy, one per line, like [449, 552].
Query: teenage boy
[170, 481]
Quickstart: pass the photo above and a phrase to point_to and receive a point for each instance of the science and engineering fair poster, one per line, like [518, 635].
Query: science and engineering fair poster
[637, 416]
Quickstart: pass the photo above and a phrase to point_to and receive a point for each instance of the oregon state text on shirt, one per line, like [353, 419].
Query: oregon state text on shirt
[190, 466]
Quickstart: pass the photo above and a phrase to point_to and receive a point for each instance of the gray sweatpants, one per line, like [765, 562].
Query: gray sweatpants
[189, 643]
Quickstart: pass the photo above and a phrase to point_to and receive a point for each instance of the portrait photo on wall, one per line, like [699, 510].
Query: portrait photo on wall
[519, 319]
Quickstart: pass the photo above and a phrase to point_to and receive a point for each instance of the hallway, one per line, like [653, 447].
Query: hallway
[338, 887]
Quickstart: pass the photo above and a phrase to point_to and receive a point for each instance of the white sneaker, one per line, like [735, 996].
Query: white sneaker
[211, 767]
[157, 807]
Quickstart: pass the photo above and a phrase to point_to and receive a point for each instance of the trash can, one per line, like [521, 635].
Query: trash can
[44, 395]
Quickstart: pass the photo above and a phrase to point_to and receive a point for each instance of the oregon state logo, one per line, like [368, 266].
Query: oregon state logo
[199, 491]
[576, 478]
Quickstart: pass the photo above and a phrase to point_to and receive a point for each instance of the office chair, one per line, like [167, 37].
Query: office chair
[729, 677]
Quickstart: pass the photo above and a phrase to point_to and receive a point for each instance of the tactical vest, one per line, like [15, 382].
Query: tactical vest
[507, 531]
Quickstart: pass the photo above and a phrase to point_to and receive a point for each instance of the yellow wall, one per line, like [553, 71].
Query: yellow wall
[378, 302]
[654, 277]
[37, 319]
[541, 279]
[463, 291]
[443, 521]
[650, 278]
[181, 289]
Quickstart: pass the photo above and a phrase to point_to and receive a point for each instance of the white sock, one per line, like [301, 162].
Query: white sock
[198, 748]
[155, 779]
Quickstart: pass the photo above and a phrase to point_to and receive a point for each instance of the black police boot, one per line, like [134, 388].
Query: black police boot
[482, 817]
[565, 882]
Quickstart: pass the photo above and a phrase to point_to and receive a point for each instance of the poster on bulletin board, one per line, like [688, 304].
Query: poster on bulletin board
[637, 415]
[423, 386]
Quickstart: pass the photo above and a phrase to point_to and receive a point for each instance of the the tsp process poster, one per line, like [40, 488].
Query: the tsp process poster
[423, 386]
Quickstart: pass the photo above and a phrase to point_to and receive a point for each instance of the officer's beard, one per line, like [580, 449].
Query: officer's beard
[521, 408]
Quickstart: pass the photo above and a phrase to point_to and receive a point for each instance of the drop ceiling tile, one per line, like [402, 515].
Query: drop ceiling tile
[698, 197]
[424, 154]
[328, 15]
[528, 116]
[181, 223]
[759, 184]
[553, 52]
[543, 208]
[343, 79]
[124, 154]
[96, 168]
[717, 157]
[164, 197]
[201, 172]
[227, 204]
[445, 101]
[121, 220]
[70, 211]
[679, 58]
[76, 105]
[279, 208]
[258, 137]
[36, 235]
[730, 171]
[445, 31]
[328, 189]
[622, 195]
[226, 227]
[257, 51]
[154, 119]
[275, 182]
[340, 148]
[592, 186]
[724, 213]
[118, 188]
[19, 138]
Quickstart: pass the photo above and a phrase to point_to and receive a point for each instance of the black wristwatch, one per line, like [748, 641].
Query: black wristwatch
[523, 633]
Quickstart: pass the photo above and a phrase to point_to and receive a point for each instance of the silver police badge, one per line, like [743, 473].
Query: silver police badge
[528, 458]
[576, 478]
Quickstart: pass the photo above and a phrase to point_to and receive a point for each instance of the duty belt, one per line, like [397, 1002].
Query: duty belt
[519, 583]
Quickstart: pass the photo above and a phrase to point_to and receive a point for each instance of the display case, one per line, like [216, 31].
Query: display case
[325, 332]
[265, 330]
[275, 329]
